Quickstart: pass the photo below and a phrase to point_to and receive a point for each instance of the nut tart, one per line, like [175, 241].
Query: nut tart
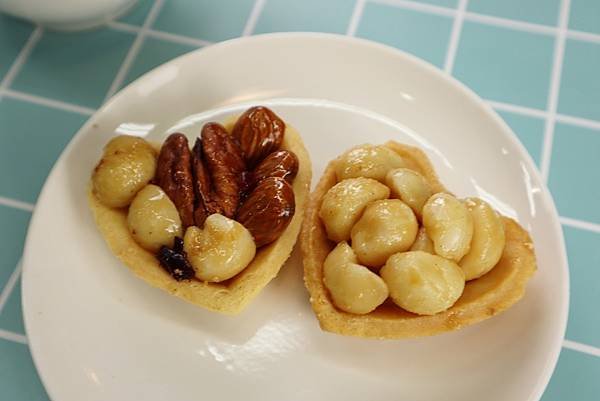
[211, 223]
[389, 253]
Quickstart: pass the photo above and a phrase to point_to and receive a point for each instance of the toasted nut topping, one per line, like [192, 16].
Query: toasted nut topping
[345, 202]
[268, 210]
[174, 175]
[449, 225]
[423, 283]
[152, 219]
[386, 227]
[225, 163]
[128, 164]
[488, 240]
[410, 187]
[353, 288]
[219, 251]
[282, 164]
[259, 132]
[368, 161]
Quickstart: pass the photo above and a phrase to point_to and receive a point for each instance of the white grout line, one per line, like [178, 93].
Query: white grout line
[406, 4]
[253, 17]
[509, 23]
[9, 335]
[584, 348]
[581, 122]
[413, 5]
[455, 36]
[526, 111]
[57, 104]
[491, 20]
[585, 36]
[559, 50]
[17, 204]
[178, 38]
[123, 27]
[173, 37]
[583, 225]
[10, 285]
[21, 58]
[357, 13]
[133, 50]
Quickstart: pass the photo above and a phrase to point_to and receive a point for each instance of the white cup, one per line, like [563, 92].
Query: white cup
[67, 15]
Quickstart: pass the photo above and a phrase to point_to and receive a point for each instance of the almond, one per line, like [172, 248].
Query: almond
[268, 210]
[259, 132]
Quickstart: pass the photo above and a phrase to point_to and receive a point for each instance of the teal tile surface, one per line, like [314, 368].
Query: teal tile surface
[204, 19]
[500, 64]
[575, 378]
[529, 130]
[583, 248]
[536, 11]
[13, 227]
[424, 35]
[34, 134]
[11, 315]
[585, 15]
[443, 3]
[19, 380]
[308, 15]
[77, 68]
[137, 15]
[580, 83]
[575, 164]
[505, 65]
[13, 35]
[153, 53]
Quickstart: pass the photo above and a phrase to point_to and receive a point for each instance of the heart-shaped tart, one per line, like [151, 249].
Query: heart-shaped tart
[212, 224]
[390, 253]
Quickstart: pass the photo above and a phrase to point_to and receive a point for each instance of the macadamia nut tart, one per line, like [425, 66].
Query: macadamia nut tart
[212, 224]
[389, 253]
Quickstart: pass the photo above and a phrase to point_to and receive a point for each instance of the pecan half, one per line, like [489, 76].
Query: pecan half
[282, 164]
[259, 132]
[268, 210]
[223, 159]
[174, 175]
[205, 205]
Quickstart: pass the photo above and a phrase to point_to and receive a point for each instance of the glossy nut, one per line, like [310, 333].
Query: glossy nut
[342, 253]
[219, 251]
[367, 161]
[449, 225]
[353, 288]
[268, 210]
[175, 176]
[410, 187]
[385, 228]
[423, 242]
[344, 203]
[282, 163]
[153, 219]
[488, 240]
[225, 163]
[259, 131]
[126, 143]
[128, 164]
[423, 283]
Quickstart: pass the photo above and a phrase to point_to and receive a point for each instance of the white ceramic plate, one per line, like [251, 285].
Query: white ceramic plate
[98, 333]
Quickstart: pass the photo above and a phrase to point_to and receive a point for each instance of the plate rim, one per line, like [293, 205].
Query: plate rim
[557, 338]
